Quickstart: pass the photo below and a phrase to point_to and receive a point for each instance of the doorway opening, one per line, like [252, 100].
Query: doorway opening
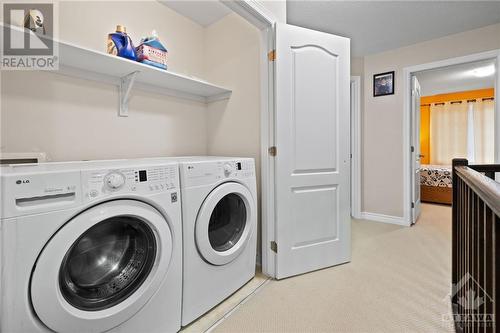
[452, 114]
[356, 147]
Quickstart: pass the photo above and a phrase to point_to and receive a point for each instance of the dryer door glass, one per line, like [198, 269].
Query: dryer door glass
[107, 263]
[227, 222]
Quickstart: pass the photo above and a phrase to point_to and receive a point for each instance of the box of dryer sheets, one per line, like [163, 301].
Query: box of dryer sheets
[152, 52]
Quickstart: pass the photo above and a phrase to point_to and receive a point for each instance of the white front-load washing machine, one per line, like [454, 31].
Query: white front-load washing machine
[219, 211]
[91, 247]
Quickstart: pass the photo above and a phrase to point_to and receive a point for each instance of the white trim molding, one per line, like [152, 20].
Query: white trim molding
[266, 161]
[407, 72]
[253, 11]
[384, 218]
[356, 146]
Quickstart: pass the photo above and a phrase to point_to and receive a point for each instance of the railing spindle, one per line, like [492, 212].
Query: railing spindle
[475, 247]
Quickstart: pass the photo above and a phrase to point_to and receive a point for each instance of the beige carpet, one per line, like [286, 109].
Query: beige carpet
[398, 281]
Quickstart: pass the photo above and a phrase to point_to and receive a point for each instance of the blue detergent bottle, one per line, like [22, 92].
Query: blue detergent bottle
[120, 44]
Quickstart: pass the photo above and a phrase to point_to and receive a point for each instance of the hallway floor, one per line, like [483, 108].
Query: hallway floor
[398, 280]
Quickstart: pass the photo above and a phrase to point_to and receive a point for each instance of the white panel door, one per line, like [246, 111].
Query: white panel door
[415, 151]
[313, 225]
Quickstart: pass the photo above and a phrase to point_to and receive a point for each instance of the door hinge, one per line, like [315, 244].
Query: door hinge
[274, 247]
[272, 151]
[271, 55]
[412, 205]
[412, 149]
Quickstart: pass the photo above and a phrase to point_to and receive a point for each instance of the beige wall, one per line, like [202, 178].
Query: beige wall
[233, 61]
[87, 23]
[382, 190]
[357, 66]
[72, 119]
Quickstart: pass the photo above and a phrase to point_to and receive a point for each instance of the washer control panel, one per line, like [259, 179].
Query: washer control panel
[206, 172]
[147, 180]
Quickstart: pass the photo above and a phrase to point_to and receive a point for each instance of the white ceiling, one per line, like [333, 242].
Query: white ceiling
[376, 26]
[202, 12]
[455, 78]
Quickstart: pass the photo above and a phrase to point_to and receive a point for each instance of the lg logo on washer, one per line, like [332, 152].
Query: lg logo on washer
[22, 181]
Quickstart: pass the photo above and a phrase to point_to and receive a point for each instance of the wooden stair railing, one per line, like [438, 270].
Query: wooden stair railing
[475, 247]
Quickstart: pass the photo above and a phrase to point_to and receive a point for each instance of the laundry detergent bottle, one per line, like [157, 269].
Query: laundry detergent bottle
[120, 44]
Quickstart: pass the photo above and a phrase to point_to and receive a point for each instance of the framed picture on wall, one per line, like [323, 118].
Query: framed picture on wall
[383, 84]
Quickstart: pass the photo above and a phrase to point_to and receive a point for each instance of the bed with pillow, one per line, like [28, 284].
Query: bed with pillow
[435, 184]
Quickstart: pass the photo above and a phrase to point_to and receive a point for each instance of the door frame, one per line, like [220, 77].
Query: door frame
[356, 147]
[407, 74]
[260, 17]
[415, 154]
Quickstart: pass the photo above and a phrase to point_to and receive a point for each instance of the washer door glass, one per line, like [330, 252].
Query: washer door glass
[227, 222]
[107, 263]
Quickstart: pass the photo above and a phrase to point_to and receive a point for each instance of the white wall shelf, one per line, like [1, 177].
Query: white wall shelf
[89, 64]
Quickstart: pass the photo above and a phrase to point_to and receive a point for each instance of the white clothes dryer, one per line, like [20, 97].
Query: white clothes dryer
[219, 211]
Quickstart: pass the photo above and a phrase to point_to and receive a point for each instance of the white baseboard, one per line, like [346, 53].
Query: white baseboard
[384, 218]
[357, 215]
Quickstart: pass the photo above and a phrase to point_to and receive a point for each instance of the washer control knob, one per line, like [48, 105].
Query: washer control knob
[114, 180]
[228, 169]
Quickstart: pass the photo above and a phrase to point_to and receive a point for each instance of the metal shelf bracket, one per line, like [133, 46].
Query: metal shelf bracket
[125, 87]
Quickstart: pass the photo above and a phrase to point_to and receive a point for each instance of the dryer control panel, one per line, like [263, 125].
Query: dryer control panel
[139, 180]
[208, 172]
